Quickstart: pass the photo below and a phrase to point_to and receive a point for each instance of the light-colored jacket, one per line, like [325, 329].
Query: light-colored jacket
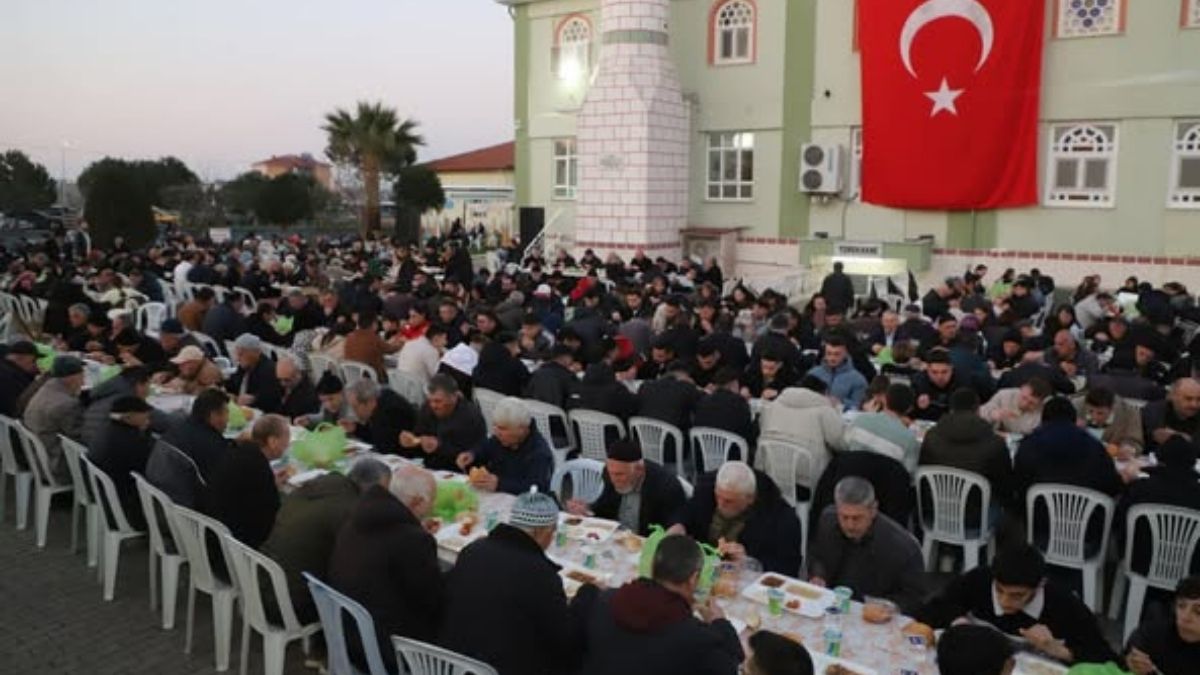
[1124, 427]
[808, 419]
[1007, 399]
[55, 410]
[419, 358]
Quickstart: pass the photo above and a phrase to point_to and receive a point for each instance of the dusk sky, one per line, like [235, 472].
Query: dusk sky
[223, 83]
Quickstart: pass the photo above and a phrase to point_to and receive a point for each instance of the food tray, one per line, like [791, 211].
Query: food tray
[799, 597]
[573, 577]
[828, 665]
[451, 538]
[583, 528]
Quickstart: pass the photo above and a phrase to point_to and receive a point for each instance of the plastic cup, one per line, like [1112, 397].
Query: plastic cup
[843, 595]
[775, 601]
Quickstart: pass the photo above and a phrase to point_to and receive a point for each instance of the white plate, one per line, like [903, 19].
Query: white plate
[572, 586]
[601, 528]
[303, 477]
[813, 607]
[449, 538]
[821, 662]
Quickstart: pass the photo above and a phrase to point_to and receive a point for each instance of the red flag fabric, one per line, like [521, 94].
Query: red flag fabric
[950, 102]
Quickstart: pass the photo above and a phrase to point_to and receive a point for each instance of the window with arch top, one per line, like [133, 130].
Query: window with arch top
[733, 32]
[1082, 165]
[573, 49]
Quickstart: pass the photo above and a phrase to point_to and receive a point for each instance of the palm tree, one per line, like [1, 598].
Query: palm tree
[375, 141]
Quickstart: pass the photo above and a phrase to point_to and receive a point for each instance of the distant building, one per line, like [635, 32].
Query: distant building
[305, 163]
[479, 187]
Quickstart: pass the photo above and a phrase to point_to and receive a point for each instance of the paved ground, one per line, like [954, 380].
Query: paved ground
[54, 621]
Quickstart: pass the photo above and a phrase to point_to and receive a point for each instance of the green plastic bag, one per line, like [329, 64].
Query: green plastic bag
[107, 373]
[322, 447]
[1109, 668]
[237, 417]
[884, 357]
[45, 359]
[712, 566]
[649, 548]
[284, 324]
[452, 499]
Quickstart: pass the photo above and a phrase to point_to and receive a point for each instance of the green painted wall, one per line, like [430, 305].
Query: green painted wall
[798, 73]
[971, 229]
[523, 157]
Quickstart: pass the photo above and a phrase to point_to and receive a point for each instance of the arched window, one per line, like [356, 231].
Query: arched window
[1089, 18]
[1083, 165]
[573, 49]
[1185, 166]
[733, 32]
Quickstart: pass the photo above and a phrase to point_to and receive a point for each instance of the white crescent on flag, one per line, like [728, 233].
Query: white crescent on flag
[933, 10]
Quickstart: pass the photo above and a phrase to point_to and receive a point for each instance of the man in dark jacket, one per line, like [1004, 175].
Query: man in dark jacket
[380, 415]
[1173, 482]
[224, 320]
[254, 384]
[636, 493]
[647, 626]
[1013, 596]
[1059, 451]
[242, 493]
[1168, 640]
[200, 436]
[934, 385]
[964, 440]
[308, 523]
[299, 396]
[123, 446]
[726, 409]
[134, 349]
[134, 382]
[741, 511]
[385, 559]
[515, 458]
[554, 380]
[1178, 414]
[858, 547]
[838, 289]
[776, 342]
[447, 425]
[672, 398]
[505, 603]
[304, 311]
[18, 369]
[599, 390]
[499, 369]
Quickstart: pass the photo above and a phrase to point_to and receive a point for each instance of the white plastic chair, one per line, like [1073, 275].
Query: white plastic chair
[784, 462]
[193, 529]
[487, 400]
[170, 297]
[543, 416]
[230, 349]
[688, 488]
[1070, 509]
[949, 490]
[333, 607]
[355, 371]
[85, 502]
[149, 317]
[652, 435]
[158, 509]
[22, 478]
[1174, 536]
[410, 388]
[320, 364]
[590, 426]
[114, 525]
[425, 659]
[45, 485]
[248, 301]
[210, 346]
[249, 568]
[715, 445]
[587, 479]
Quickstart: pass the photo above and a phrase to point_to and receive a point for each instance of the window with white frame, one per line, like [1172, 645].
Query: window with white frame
[856, 158]
[573, 52]
[1185, 166]
[1191, 14]
[731, 166]
[1082, 165]
[1089, 18]
[733, 33]
[566, 169]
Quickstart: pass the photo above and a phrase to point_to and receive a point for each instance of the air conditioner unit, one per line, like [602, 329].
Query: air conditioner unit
[821, 168]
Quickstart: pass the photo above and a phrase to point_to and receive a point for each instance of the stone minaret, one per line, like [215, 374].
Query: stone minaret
[632, 138]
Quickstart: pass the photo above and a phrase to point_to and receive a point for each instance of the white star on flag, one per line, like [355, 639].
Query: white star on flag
[943, 99]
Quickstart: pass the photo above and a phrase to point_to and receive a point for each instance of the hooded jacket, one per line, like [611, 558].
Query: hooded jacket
[964, 440]
[500, 371]
[1060, 452]
[643, 628]
[386, 560]
[771, 532]
[806, 418]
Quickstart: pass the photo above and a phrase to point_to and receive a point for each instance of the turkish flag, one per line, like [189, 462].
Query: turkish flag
[950, 102]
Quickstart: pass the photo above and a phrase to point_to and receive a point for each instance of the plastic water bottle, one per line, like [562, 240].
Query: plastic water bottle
[833, 632]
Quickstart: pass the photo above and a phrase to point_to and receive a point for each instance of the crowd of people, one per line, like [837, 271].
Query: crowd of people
[872, 391]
